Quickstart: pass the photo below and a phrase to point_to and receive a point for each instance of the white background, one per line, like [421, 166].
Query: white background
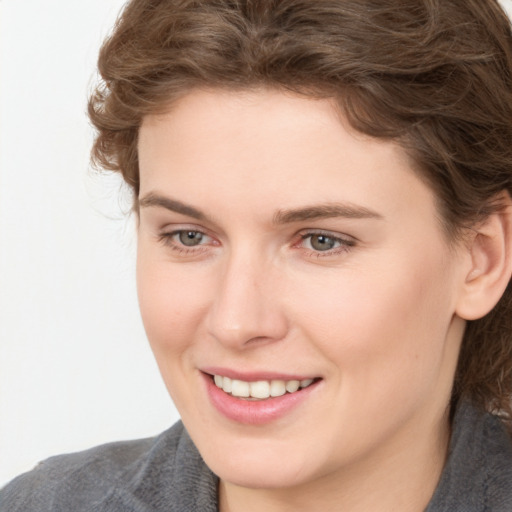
[75, 367]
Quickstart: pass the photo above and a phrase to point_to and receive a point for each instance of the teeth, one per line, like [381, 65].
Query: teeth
[259, 389]
[277, 388]
[292, 386]
[305, 383]
[240, 388]
[227, 384]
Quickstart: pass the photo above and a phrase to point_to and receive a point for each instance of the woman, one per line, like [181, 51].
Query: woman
[324, 250]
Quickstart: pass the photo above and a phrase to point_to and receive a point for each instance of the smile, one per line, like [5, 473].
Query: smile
[259, 397]
[261, 389]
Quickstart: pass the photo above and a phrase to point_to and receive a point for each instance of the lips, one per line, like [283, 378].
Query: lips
[256, 399]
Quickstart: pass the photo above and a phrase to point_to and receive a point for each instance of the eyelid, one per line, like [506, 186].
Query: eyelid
[343, 237]
[167, 236]
[173, 228]
[346, 242]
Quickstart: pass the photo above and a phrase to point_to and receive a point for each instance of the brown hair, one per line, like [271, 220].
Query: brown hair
[434, 75]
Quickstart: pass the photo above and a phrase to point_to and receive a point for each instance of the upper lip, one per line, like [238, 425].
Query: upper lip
[253, 376]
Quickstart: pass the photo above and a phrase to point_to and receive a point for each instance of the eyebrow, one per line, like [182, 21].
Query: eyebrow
[313, 212]
[325, 211]
[173, 205]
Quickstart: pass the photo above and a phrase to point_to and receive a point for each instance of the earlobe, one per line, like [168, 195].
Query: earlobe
[490, 268]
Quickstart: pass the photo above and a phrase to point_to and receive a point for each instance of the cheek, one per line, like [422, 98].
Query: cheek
[171, 302]
[171, 305]
[371, 323]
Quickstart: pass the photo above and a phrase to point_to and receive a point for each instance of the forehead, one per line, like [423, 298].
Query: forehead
[267, 148]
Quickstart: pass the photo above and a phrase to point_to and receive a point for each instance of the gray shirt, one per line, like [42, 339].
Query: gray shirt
[166, 473]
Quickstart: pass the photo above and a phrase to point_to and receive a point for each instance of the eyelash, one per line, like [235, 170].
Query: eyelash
[168, 240]
[345, 244]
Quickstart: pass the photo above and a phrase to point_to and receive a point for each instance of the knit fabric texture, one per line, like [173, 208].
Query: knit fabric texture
[167, 473]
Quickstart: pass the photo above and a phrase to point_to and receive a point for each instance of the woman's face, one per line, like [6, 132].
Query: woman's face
[276, 246]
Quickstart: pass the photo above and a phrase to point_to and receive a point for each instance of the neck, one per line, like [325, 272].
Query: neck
[403, 477]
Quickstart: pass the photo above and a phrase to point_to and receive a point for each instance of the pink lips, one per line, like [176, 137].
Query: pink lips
[254, 412]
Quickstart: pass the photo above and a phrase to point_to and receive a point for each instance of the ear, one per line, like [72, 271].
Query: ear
[489, 263]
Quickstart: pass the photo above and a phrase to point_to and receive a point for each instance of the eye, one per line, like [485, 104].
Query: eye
[186, 240]
[322, 242]
[325, 243]
[189, 238]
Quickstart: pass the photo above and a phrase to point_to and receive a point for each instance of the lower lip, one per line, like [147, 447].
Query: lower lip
[255, 412]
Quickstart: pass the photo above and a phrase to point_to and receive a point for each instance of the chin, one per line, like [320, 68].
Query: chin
[262, 476]
[269, 465]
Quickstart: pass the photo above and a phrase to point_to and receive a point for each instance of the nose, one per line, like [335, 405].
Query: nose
[247, 306]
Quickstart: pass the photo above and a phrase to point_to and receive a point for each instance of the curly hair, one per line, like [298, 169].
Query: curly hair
[433, 75]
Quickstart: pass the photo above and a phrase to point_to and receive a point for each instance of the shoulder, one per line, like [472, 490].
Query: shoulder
[478, 473]
[496, 459]
[127, 475]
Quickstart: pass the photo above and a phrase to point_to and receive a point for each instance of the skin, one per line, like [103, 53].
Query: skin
[375, 317]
